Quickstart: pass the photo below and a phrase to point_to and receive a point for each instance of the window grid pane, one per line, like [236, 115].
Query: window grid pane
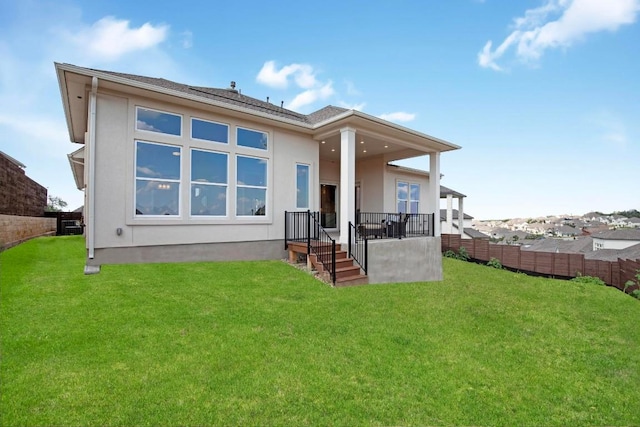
[209, 131]
[251, 138]
[251, 186]
[157, 179]
[208, 200]
[158, 121]
[302, 186]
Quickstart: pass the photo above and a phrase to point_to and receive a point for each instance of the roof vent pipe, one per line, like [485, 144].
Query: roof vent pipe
[281, 104]
[267, 99]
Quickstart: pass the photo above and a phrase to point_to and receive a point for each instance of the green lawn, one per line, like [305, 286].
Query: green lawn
[262, 343]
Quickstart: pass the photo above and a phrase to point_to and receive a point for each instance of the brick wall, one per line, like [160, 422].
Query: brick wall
[16, 229]
[19, 194]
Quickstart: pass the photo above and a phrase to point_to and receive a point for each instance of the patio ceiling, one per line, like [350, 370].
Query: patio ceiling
[367, 146]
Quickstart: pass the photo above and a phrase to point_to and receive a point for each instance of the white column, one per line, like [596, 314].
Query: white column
[460, 215]
[434, 190]
[347, 181]
[449, 226]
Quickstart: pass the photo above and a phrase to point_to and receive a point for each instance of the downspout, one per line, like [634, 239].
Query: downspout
[91, 185]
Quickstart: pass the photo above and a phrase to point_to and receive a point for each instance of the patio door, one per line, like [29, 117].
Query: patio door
[329, 206]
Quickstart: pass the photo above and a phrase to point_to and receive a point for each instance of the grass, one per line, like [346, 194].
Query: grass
[262, 343]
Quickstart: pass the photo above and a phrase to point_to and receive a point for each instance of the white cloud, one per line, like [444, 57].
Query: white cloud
[110, 38]
[558, 24]
[357, 107]
[351, 88]
[311, 95]
[398, 116]
[187, 39]
[303, 75]
[611, 129]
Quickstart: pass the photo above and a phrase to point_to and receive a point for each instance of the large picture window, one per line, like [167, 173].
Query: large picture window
[208, 183]
[302, 186]
[209, 131]
[251, 186]
[157, 179]
[252, 139]
[158, 121]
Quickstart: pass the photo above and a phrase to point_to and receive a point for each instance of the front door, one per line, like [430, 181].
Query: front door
[328, 205]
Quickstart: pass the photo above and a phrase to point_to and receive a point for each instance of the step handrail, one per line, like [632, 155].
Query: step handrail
[358, 248]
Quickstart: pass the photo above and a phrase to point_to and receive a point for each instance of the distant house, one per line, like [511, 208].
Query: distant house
[616, 239]
[632, 252]
[452, 226]
[579, 245]
[567, 231]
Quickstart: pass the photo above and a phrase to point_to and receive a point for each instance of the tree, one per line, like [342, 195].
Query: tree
[56, 204]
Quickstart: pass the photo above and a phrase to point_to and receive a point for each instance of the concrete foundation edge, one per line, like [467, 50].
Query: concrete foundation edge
[230, 251]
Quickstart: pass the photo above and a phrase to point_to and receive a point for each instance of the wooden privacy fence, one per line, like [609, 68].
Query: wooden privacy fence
[613, 273]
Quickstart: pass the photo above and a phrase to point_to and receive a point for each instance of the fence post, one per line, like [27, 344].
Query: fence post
[308, 232]
[349, 244]
[333, 261]
[286, 229]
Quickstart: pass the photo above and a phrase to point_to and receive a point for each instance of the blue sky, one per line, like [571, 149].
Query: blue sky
[542, 95]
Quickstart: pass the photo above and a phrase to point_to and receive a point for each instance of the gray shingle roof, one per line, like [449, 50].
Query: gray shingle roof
[325, 114]
[444, 191]
[632, 252]
[233, 97]
[573, 246]
[443, 214]
[619, 234]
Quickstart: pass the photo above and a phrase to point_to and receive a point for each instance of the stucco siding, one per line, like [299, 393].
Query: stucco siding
[370, 175]
[391, 177]
[115, 179]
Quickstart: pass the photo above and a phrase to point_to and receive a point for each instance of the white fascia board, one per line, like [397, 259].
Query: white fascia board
[62, 84]
[448, 146]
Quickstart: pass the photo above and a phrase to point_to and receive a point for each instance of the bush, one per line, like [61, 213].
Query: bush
[495, 263]
[589, 280]
[630, 283]
[462, 254]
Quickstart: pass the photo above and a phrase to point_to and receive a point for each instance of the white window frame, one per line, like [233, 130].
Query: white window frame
[151, 132]
[174, 181]
[213, 184]
[408, 200]
[266, 188]
[210, 140]
[308, 204]
[261, 150]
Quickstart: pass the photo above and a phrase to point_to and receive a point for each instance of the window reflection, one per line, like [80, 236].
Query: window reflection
[158, 121]
[251, 138]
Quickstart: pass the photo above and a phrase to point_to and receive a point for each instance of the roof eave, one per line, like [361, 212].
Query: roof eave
[446, 146]
[62, 84]
[171, 92]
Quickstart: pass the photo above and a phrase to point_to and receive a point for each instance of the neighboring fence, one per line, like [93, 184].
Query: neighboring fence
[15, 229]
[67, 222]
[614, 273]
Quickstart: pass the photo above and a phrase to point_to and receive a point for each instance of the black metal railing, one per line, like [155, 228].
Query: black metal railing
[358, 247]
[323, 247]
[394, 225]
[305, 227]
[297, 227]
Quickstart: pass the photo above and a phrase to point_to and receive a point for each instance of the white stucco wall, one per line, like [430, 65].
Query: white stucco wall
[392, 176]
[370, 176]
[115, 179]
